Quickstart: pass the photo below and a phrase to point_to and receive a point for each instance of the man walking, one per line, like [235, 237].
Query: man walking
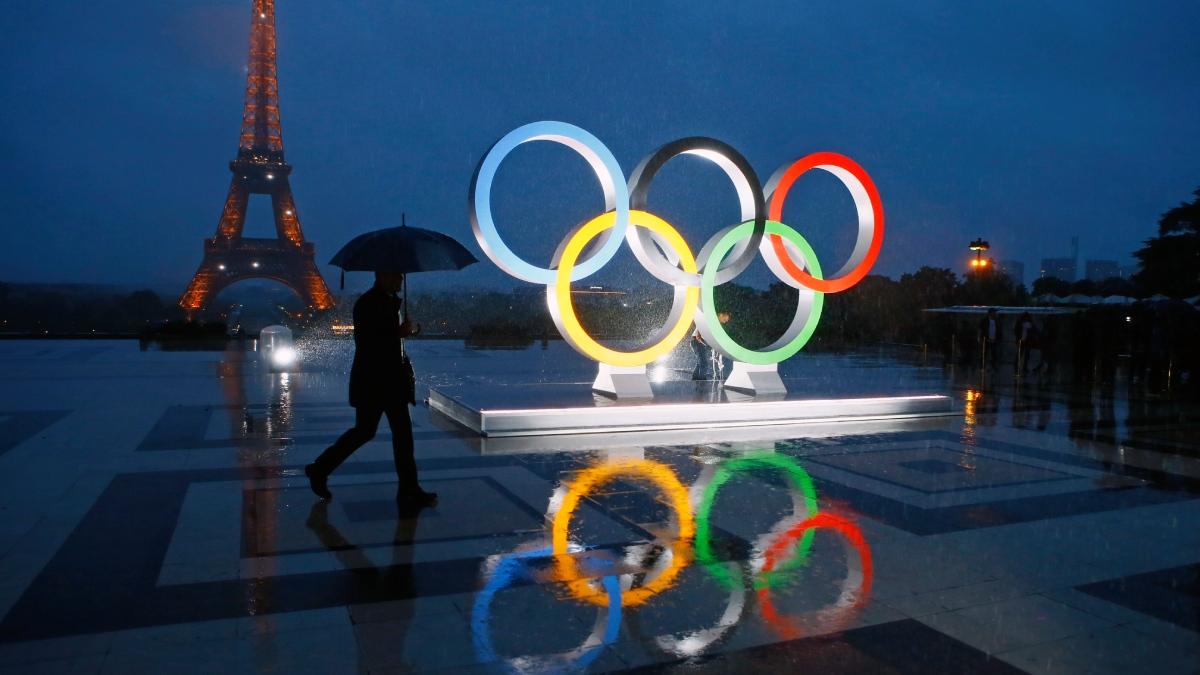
[379, 385]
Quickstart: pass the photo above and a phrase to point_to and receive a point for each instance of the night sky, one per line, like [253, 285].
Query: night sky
[1023, 123]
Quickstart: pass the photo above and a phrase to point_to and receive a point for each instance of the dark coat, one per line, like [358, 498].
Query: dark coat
[377, 378]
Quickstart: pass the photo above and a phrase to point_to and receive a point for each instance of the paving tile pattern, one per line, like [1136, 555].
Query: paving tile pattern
[156, 519]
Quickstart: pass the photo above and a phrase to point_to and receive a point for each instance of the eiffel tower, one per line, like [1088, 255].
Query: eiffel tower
[259, 169]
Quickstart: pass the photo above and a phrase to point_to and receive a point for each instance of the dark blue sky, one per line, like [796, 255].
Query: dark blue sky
[1025, 123]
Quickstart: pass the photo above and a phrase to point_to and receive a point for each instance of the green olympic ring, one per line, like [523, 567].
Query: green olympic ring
[728, 469]
[796, 335]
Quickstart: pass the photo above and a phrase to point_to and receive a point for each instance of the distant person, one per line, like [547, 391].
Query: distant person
[990, 335]
[379, 385]
[1027, 341]
[709, 363]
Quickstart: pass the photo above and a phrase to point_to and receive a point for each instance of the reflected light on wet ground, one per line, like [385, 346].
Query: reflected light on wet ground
[159, 522]
[635, 582]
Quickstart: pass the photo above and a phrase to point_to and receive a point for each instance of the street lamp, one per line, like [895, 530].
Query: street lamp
[980, 263]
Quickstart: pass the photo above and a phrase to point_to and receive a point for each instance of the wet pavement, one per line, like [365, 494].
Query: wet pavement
[155, 519]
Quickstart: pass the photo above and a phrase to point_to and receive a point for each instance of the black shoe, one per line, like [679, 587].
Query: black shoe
[316, 481]
[418, 498]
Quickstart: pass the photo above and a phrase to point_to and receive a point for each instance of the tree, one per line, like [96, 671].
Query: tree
[1116, 286]
[143, 306]
[1170, 262]
[991, 288]
[1084, 287]
[930, 287]
[1051, 285]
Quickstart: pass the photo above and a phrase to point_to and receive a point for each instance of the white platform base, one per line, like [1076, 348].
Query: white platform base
[749, 378]
[750, 437]
[552, 409]
[621, 382]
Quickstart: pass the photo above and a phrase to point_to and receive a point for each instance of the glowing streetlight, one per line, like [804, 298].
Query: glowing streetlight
[275, 342]
[979, 263]
[283, 357]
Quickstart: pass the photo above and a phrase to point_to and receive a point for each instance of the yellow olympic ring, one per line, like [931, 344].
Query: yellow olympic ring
[662, 477]
[574, 331]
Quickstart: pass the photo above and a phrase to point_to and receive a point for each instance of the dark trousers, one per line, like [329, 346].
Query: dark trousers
[366, 421]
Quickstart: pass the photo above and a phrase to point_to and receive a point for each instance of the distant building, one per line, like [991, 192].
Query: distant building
[1127, 271]
[1099, 270]
[1013, 269]
[1059, 268]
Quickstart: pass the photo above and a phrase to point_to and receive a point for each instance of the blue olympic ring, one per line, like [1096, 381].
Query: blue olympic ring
[514, 567]
[602, 161]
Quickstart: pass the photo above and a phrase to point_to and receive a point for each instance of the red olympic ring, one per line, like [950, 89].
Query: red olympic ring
[783, 181]
[784, 545]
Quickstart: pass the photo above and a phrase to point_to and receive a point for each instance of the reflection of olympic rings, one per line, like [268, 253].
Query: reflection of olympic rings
[702, 495]
[617, 581]
[696, 642]
[662, 477]
[514, 567]
[706, 496]
[660, 249]
[856, 589]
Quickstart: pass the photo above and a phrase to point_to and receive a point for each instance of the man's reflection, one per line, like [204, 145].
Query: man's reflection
[1081, 416]
[1030, 405]
[389, 581]
[1022, 405]
[398, 575]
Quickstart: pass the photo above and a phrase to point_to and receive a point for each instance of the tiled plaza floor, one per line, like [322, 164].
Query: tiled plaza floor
[155, 519]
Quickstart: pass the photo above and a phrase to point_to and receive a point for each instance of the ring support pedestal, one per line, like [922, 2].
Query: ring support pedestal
[622, 382]
[691, 409]
[754, 379]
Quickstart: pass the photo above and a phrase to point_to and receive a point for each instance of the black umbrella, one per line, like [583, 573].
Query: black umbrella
[404, 250]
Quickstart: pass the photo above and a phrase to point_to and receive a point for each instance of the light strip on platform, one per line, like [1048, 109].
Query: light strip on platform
[682, 406]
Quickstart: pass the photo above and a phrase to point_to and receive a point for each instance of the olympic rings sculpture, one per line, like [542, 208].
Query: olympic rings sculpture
[664, 253]
[617, 584]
